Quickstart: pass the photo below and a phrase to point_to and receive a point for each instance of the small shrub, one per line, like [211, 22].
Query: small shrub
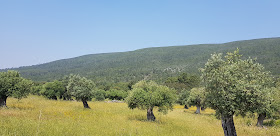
[99, 95]
[116, 94]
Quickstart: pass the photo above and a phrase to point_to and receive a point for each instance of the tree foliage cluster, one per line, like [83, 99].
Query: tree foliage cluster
[54, 90]
[197, 97]
[13, 85]
[237, 86]
[146, 95]
[116, 94]
[57, 89]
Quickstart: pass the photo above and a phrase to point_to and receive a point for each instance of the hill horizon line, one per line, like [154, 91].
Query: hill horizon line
[10, 68]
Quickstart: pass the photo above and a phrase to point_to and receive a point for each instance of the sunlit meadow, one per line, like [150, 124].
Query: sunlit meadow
[38, 116]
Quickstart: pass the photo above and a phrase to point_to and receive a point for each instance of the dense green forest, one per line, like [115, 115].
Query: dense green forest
[152, 63]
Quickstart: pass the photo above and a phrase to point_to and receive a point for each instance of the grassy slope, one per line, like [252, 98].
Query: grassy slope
[69, 118]
[154, 63]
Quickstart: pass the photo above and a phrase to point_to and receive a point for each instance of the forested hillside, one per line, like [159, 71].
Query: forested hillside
[153, 63]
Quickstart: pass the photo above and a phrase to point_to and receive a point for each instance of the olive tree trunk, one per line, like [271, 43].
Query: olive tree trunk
[150, 115]
[197, 109]
[85, 104]
[3, 100]
[228, 126]
[260, 119]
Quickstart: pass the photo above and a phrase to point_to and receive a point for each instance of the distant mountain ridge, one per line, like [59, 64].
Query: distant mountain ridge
[155, 63]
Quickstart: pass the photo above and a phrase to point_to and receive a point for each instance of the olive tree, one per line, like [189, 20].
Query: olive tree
[183, 98]
[81, 88]
[265, 106]
[197, 98]
[233, 86]
[12, 84]
[147, 95]
[268, 106]
[53, 90]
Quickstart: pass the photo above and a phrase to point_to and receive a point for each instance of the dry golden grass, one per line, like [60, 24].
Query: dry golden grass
[38, 116]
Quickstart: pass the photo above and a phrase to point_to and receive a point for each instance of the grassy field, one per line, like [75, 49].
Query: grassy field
[38, 116]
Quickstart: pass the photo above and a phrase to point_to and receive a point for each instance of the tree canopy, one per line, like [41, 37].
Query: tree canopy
[81, 88]
[183, 97]
[197, 98]
[148, 94]
[12, 84]
[234, 86]
[53, 90]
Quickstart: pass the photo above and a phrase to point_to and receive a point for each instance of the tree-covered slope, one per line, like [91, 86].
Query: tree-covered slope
[153, 63]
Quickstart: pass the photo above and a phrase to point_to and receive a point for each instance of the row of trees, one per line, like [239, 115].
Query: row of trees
[144, 95]
[58, 90]
[73, 86]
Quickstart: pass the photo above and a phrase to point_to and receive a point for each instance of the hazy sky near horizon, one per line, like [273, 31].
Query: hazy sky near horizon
[35, 31]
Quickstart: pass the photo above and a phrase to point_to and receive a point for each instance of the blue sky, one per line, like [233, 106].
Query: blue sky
[34, 32]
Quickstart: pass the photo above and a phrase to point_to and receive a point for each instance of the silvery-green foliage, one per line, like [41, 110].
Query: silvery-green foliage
[80, 87]
[146, 95]
[236, 86]
[196, 97]
[183, 97]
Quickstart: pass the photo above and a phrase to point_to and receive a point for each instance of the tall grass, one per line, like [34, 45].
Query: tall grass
[38, 116]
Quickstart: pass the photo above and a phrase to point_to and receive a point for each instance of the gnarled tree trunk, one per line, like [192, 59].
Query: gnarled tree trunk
[3, 100]
[150, 115]
[228, 126]
[260, 119]
[197, 109]
[85, 104]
